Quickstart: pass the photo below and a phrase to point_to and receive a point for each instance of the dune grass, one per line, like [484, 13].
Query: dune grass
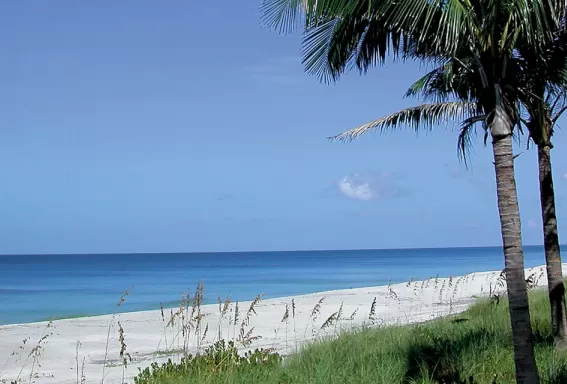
[476, 343]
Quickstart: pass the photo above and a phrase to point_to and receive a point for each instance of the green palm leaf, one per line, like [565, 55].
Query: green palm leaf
[424, 116]
[341, 34]
[282, 15]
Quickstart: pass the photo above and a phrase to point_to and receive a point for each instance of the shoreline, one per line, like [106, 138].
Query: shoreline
[150, 336]
[39, 289]
[174, 304]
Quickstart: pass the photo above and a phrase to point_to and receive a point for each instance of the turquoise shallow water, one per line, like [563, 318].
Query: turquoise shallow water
[40, 287]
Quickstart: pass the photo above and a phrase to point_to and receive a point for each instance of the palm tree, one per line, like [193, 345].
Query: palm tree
[544, 99]
[339, 34]
[542, 93]
[550, 234]
[427, 116]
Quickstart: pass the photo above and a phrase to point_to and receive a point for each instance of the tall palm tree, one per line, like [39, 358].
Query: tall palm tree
[543, 79]
[549, 219]
[543, 113]
[339, 34]
[544, 75]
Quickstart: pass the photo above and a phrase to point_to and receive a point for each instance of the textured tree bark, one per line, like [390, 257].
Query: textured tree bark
[508, 208]
[552, 250]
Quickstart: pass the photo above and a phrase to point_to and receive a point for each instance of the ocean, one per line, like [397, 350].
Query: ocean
[42, 287]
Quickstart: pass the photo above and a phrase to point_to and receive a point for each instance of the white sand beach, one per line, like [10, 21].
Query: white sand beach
[65, 344]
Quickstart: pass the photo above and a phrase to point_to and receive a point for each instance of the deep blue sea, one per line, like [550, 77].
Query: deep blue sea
[40, 287]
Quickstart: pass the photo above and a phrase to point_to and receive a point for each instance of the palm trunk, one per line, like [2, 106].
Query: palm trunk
[524, 358]
[552, 251]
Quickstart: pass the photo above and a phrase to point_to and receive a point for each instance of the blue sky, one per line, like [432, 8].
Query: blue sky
[138, 126]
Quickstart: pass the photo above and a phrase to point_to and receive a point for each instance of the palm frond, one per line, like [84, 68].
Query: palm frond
[517, 46]
[466, 134]
[439, 28]
[453, 79]
[424, 116]
[349, 36]
[316, 46]
[421, 85]
[542, 84]
[282, 15]
[285, 15]
[377, 44]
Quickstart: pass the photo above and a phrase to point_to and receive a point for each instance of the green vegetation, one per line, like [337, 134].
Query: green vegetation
[220, 363]
[476, 343]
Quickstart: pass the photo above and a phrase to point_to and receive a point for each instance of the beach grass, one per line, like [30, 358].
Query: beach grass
[472, 347]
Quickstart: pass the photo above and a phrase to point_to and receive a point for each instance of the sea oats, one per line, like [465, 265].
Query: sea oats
[205, 333]
[236, 314]
[226, 306]
[353, 314]
[317, 309]
[36, 352]
[340, 312]
[124, 355]
[441, 291]
[120, 302]
[423, 286]
[293, 308]
[286, 314]
[372, 315]
[393, 294]
[249, 313]
[330, 321]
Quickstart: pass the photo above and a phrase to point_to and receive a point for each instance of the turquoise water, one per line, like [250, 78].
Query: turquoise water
[40, 287]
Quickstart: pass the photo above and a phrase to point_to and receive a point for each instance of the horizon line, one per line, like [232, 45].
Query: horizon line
[260, 251]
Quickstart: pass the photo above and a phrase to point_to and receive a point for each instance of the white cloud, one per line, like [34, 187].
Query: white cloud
[356, 191]
[372, 186]
[565, 176]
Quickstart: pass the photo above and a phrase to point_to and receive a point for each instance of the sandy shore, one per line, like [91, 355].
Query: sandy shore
[67, 343]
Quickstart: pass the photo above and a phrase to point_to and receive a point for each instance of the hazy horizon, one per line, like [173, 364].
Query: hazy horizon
[265, 251]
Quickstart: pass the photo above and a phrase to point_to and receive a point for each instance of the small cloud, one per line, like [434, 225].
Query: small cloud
[361, 191]
[372, 186]
[532, 223]
[565, 176]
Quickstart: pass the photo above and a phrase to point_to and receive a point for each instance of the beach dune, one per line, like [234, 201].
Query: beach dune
[63, 350]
